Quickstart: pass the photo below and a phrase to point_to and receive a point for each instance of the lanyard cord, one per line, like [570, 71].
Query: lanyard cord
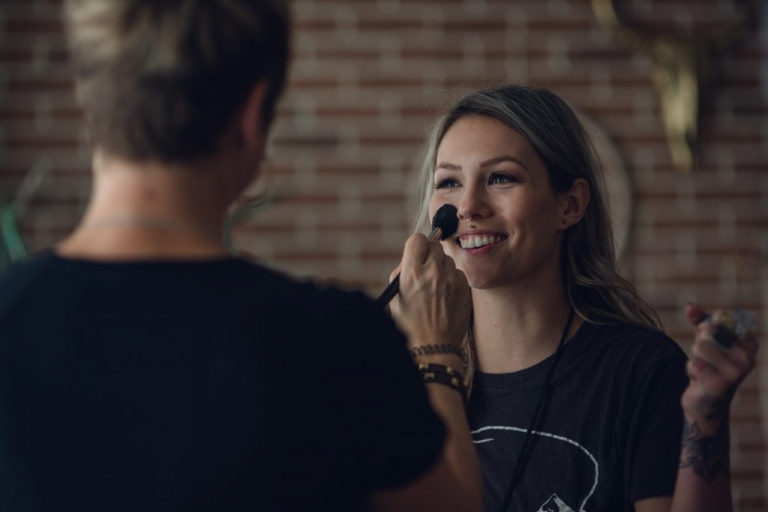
[526, 441]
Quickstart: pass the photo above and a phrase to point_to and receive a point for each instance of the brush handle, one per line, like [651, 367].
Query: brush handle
[389, 293]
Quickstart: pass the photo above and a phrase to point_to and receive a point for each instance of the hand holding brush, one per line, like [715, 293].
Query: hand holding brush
[444, 224]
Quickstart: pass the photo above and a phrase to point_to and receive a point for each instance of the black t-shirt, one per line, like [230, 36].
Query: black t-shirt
[214, 385]
[609, 433]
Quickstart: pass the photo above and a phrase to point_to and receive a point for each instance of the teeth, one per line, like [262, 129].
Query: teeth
[475, 241]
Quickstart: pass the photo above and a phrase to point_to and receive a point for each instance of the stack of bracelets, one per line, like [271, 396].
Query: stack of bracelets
[440, 373]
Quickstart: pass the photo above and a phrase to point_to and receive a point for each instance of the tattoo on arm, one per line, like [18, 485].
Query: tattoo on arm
[707, 455]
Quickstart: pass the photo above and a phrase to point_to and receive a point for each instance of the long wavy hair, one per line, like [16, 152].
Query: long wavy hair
[595, 289]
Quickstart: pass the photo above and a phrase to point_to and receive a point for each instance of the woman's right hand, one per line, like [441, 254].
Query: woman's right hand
[434, 303]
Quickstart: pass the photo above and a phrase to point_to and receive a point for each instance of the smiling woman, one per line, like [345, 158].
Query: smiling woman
[484, 166]
[530, 135]
[577, 391]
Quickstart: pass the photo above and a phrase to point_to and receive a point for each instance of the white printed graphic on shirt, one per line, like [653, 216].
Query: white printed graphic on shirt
[554, 503]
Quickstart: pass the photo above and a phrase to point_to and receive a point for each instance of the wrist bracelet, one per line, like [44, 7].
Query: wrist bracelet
[428, 350]
[441, 374]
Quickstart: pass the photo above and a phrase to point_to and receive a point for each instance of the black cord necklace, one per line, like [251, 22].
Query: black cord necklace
[539, 403]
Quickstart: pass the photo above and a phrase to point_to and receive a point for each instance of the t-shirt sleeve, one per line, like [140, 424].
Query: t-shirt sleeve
[655, 436]
[389, 427]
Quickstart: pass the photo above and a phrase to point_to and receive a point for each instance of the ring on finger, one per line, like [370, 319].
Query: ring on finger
[734, 325]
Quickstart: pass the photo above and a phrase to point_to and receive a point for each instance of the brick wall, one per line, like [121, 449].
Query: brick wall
[368, 78]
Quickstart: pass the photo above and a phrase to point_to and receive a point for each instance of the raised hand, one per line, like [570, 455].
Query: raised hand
[720, 361]
[434, 303]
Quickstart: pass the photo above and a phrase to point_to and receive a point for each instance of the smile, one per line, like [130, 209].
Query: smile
[475, 241]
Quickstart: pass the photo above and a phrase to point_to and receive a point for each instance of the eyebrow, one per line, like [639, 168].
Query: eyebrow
[505, 158]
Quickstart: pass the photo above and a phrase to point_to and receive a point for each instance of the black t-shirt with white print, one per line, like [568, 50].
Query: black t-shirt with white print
[609, 433]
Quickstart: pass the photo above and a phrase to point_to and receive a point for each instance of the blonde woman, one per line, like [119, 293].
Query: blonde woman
[576, 400]
[143, 368]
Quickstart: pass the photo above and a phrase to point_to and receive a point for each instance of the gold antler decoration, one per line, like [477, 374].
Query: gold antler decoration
[682, 67]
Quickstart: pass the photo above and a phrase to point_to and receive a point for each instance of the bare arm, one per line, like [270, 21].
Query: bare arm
[703, 479]
[433, 308]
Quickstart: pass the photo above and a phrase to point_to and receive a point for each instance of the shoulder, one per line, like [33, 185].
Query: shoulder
[635, 339]
[24, 279]
[312, 297]
[637, 362]
[347, 310]
[644, 354]
[321, 309]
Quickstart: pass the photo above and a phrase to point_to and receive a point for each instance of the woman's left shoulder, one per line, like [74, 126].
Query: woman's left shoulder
[638, 340]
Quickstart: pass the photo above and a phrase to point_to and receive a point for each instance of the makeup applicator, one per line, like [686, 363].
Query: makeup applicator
[444, 224]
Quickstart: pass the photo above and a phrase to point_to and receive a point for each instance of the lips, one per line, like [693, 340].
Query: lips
[474, 241]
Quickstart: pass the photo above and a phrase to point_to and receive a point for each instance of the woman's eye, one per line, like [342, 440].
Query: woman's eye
[446, 183]
[502, 178]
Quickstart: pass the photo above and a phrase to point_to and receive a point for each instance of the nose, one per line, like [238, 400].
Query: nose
[473, 203]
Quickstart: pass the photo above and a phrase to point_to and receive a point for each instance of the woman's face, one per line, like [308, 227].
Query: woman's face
[494, 177]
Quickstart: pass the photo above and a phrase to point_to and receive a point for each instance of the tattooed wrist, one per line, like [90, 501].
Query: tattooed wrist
[707, 455]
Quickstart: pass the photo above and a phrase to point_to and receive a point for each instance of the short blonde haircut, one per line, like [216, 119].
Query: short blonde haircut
[162, 79]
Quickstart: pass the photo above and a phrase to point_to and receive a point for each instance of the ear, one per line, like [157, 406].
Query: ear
[574, 203]
[252, 128]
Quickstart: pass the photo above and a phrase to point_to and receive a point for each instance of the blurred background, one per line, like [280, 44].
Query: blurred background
[368, 78]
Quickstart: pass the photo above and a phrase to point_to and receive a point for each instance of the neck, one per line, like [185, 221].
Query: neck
[150, 210]
[519, 326]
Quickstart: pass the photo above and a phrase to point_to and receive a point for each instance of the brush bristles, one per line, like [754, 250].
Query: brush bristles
[446, 218]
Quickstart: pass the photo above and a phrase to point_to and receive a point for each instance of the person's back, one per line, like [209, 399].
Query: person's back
[199, 385]
[144, 368]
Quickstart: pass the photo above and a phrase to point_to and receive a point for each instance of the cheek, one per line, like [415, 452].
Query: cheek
[542, 211]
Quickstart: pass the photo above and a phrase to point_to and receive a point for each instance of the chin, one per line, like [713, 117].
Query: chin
[483, 277]
[482, 282]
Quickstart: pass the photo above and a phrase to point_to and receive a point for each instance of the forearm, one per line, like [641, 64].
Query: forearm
[459, 450]
[703, 479]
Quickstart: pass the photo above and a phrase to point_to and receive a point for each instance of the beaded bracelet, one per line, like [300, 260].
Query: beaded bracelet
[428, 350]
[441, 374]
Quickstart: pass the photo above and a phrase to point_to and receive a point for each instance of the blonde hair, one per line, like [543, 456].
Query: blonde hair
[593, 285]
[163, 79]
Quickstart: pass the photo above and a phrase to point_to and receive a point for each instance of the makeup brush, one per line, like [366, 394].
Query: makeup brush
[444, 224]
